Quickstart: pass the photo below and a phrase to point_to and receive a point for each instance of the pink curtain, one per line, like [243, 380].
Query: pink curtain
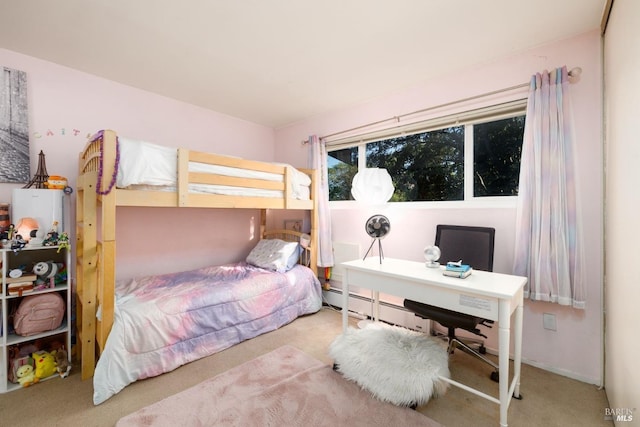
[548, 232]
[318, 161]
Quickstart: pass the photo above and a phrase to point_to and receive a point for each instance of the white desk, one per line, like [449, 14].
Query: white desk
[491, 296]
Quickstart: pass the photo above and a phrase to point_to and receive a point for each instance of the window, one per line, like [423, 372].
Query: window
[342, 165]
[427, 166]
[462, 161]
[497, 147]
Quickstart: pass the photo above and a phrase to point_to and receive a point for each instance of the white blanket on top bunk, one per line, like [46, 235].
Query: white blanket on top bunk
[147, 164]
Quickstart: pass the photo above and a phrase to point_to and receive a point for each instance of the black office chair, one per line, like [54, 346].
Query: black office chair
[474, 246]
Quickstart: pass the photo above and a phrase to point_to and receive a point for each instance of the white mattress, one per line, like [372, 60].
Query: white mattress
[158, 172]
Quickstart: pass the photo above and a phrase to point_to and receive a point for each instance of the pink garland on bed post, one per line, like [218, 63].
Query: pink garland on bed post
[100, 138]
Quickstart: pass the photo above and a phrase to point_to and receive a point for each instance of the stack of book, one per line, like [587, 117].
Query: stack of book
[457, 269]
[20, 285]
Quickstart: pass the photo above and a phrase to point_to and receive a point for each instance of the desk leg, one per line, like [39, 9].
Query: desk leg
[503, 360]
[345, 303]
[376, 301]
[517, 351]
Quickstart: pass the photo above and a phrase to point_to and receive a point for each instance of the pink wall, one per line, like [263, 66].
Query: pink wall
[66, 105]
[575, 349]
[172, 239]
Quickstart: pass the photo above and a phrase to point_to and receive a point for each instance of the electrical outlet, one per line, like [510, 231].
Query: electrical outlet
[549, 321]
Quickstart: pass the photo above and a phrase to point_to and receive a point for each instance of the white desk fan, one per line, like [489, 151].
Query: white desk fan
[377, 226]
[432, 255]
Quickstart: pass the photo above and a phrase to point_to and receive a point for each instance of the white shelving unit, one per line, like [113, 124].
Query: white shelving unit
[28, 257]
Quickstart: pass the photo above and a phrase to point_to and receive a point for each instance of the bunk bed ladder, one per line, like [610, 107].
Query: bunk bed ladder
[86, 272]
[106, 276]
[91, 292]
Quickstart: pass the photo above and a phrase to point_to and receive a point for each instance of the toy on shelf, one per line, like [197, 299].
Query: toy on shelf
[45, 364]
[26, 375]
[62, 362]
[14, 240]
[52, 236]
[47, 271]
[63, 241]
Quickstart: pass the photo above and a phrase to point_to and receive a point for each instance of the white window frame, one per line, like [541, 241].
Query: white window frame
[469, 119]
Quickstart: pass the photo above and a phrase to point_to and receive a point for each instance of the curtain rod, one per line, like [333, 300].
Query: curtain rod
[575, 72]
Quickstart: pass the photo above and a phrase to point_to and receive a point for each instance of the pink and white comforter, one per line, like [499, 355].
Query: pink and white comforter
[162, 322]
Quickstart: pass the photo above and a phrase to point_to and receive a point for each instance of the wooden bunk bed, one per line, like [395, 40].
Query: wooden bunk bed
[97, 199]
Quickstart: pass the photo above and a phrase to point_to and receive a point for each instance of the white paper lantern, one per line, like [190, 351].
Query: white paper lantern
[372, 186]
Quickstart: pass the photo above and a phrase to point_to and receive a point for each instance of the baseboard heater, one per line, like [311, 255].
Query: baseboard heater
[360, 307]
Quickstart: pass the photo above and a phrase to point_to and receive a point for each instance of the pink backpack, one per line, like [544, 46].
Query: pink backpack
[39, 313]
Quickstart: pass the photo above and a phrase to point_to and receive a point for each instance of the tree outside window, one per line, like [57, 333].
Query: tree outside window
[430, 165]
[342, 167]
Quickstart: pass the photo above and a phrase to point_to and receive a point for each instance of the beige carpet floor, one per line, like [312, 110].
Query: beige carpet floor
[549, 400]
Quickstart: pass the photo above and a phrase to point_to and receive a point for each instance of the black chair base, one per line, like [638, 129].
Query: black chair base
[456, 342]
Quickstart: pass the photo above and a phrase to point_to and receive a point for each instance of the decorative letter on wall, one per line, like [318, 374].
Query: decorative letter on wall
[14, 127]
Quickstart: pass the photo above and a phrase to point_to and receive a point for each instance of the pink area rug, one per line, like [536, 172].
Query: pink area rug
[285, 387]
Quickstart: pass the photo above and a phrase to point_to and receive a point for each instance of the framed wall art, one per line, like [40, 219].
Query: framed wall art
[14, 127]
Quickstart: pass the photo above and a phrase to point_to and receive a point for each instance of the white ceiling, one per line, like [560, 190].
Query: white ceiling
[275, 62]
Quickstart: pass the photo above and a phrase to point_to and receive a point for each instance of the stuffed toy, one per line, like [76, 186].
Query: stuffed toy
[51, 239]
[26, 375]
[63, 241]
[47, 271]
[62, 362]
[45, 364]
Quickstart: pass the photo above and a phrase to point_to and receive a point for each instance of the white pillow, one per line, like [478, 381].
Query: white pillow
[274, 254]
[146, 163]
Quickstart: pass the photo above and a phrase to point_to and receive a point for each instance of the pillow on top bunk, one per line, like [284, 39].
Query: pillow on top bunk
[145, 163]
[275, 254]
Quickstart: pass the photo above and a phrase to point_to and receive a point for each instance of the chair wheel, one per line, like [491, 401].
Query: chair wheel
[495, 376]
[482, 349]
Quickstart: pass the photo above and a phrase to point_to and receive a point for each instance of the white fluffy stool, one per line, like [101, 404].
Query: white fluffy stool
[395, 364]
